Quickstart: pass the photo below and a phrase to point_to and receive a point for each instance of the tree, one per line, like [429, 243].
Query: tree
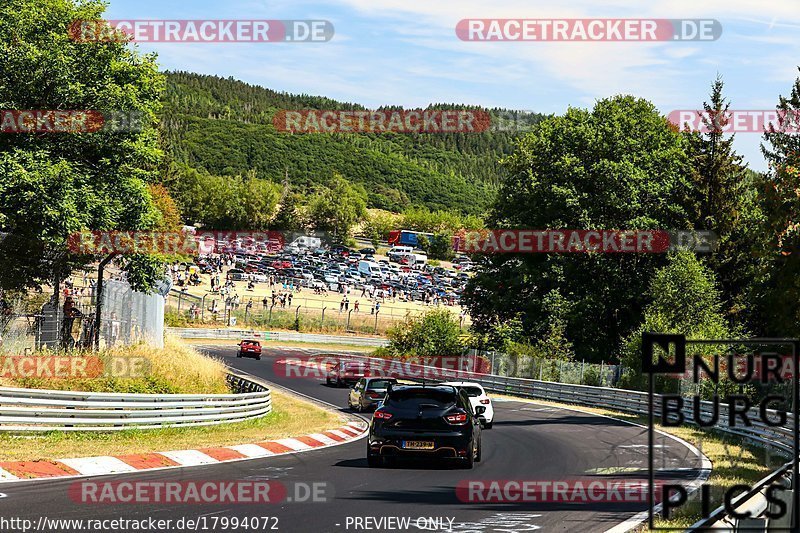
[55, 184]
[440, 246]
[777, 288]
[169, 214]
[725, 194]
[337, 208]
[684, 298]
[435, 333]
[618, 166]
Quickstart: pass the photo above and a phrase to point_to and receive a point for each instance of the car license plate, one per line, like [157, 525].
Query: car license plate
[418, 444]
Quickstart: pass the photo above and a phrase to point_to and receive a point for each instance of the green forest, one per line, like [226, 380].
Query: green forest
[223, 127]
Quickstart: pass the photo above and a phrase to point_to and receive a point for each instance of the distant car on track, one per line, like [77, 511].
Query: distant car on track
[368, 393]
[345, 373]
[249, 348]
[477, 396]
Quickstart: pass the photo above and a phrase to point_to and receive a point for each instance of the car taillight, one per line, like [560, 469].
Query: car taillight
[383, 415]
[486, 401]
[458, 418]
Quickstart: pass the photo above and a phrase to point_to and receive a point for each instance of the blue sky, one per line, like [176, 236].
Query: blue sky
[405, 52]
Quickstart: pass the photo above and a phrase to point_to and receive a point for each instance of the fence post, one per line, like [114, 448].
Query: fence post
[561, 371]
[322, 321]
[602, 374]
[376, 322]
[269, 320]
[203, 308]
[582, 365]
[541, 367]
[493, 370]
[347, 327]
[297, 319]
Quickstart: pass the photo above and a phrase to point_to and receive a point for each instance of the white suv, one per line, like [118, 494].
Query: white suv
[477, 396]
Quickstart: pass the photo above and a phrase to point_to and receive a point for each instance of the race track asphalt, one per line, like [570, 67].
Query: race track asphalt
[528, 442]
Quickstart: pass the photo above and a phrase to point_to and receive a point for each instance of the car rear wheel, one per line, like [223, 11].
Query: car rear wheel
[258, 358]
[373, 460]
[488, 425]
[469, 462]
[478, 455]
[239, 355]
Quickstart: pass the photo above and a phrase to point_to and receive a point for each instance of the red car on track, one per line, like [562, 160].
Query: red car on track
[249, 348]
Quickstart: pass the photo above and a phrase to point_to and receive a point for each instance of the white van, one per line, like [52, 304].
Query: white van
[307, 242]
[399, 251]
[417, 259]
[369, 269]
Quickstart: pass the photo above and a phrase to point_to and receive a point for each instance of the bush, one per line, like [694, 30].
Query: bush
[435, 333]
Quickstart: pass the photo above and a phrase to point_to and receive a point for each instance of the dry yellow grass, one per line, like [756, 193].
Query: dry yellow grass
[176, 368]
[290, 417]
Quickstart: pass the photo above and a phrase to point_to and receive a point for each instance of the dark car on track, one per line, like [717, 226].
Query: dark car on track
[249, 348]
[368, 393]
[435, 421]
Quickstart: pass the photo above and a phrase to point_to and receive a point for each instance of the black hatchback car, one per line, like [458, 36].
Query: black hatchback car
[435, 421]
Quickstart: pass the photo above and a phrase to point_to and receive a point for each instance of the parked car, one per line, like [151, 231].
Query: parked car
[368, 393]
[236, 274]
[249, 348]
[425, 421]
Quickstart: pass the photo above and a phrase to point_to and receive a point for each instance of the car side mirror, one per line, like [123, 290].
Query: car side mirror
[479, 410]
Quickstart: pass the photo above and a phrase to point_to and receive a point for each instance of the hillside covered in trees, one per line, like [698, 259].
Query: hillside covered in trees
[223, 128]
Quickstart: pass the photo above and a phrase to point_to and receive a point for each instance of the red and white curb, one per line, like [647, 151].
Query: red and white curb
[11, 471]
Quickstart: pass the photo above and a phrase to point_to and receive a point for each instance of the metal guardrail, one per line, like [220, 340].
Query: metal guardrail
[26, 410]
[288, 336]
